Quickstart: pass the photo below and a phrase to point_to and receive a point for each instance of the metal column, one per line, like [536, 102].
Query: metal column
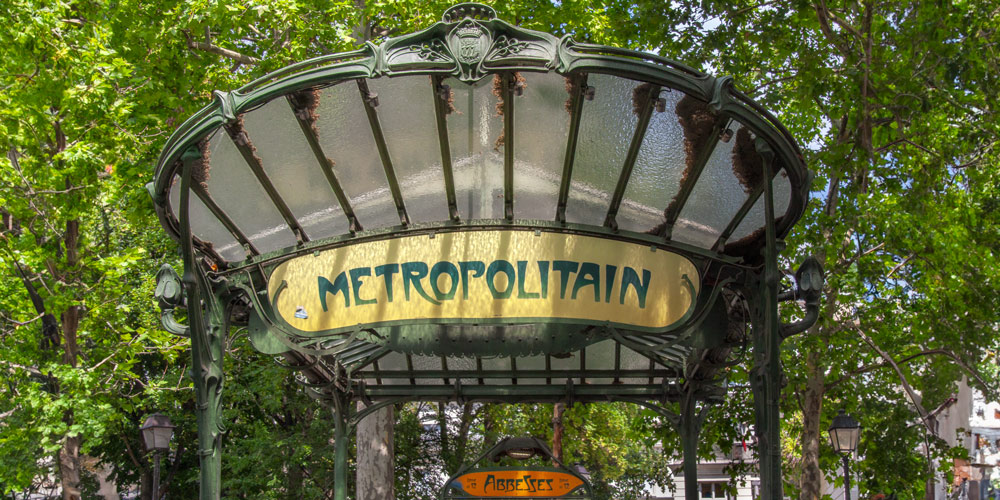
[765, 376]
[208, 320]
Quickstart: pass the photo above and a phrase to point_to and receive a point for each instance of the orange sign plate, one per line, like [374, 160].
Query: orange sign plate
[518, 483]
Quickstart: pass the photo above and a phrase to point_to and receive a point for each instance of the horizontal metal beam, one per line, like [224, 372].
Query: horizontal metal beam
[555, 392]
[520, 374]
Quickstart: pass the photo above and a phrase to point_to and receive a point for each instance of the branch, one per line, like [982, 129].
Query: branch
[924, 417]
[900, 265]
[215, 49]
[822, 13]
[135, 461]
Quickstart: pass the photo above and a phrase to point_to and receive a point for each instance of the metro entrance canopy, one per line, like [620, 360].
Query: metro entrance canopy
[478, 212]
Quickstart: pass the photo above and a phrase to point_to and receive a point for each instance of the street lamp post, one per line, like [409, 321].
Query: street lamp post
[156, 433]
[844, 435]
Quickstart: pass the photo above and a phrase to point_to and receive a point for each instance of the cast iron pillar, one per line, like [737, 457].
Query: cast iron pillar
[691, 420]
[765, 376]
[208, 322]
[343, 425]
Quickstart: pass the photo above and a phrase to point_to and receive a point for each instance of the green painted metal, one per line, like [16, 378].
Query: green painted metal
[371, 102]
[765, 376]
[470, 44]
[508, 89]
[241, 138]
[689, 426]
[649, 99]
[207, 331]
[307, 122]
[738, 218]
[578, 83]
[693, 174]
[224, 218]
[441, 96]
[435, 51]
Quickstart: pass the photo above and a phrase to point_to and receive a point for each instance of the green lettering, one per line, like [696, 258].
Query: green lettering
[593, 278]
[522, 270]
[356, 283]
[413, 273]
[339, 285]
[490, 479]
[444, 267]
[543, 273]
[477, 268]
[387, 270]
[631, 278]
[565, 268]
[498, 266]
[609, 280]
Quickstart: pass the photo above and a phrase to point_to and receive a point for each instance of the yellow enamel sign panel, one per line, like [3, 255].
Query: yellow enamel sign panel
[485, 276]
[518, 484]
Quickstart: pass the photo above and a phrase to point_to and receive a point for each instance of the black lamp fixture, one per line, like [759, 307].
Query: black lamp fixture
[156, 433]
[845, 432]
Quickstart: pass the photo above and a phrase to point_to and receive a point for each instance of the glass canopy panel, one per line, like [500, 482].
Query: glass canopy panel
[474, 129]
[755, 217]
[563, 362]
[533, 363]
[205, 226]
[235, 189]
[293, 169]
[463, 364]
[606, 129]
[393, 361]
[656, 177]
[601, 356]
[541, 124]
[715, 199]
[632, 360]
[423, 363]
[496, 364]
[406, 113]
[347, 139]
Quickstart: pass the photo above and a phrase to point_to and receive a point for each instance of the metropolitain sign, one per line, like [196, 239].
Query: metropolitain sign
[490, 276]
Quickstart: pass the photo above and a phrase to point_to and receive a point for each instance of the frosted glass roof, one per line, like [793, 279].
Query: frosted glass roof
[694, 176]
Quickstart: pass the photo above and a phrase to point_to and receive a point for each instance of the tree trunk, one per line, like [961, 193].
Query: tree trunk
[812, 406]
[69, 468]
[463, 435]
[557, 429]
[375, 456]
[69, 455]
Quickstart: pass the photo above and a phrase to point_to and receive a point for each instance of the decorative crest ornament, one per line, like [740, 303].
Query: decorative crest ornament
[472, 42]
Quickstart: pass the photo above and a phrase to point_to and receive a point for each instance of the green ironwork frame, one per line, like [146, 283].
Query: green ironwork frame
[211, 289]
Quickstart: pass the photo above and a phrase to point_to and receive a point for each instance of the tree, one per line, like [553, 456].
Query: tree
[895, 102]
